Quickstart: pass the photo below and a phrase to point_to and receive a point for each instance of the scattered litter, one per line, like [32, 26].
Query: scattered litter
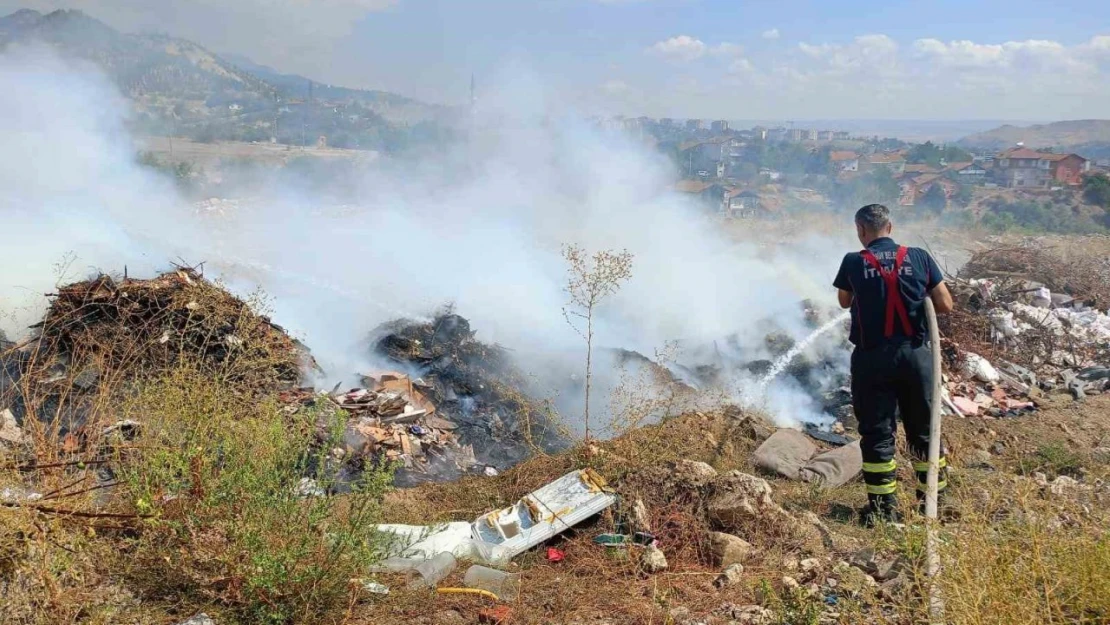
[790, 454]
[555, 555]
[498, 536]
[375, 588]
[430, 572]
[505, 586]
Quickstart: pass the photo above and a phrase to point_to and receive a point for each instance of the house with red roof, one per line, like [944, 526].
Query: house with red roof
[1021, 167]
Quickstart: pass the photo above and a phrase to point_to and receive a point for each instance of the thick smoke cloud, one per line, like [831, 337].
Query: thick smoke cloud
[479, 227]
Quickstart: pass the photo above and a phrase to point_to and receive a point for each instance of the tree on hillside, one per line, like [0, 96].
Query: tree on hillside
[935, 200]
[931, 154]
[1096, 190]
[964, 194]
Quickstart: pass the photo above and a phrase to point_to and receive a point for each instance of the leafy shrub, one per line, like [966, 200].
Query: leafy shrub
[229, 519]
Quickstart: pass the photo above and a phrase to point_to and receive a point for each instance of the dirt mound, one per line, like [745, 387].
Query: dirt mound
[475, 386]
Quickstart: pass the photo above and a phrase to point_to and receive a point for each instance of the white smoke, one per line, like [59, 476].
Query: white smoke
[480, 227]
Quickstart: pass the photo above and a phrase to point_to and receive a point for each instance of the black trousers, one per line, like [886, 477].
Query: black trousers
[893, 378]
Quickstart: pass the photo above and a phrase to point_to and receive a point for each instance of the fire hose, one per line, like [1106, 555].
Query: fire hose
[932, 558]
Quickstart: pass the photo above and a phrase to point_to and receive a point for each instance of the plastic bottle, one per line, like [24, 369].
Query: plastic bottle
[430, 572]
[505, 585]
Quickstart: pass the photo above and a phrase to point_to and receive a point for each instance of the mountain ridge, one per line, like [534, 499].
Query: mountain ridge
[1090, 137]
[180, 87]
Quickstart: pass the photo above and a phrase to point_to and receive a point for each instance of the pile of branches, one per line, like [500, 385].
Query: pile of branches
[1084, 277]
[105, 331]
[474, 385]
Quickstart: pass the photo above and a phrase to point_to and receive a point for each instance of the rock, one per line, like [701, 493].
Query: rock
[998, 448]
[731, 576]
[810, 565]
[789, 583]
[641, 521]
[740, 502]
[653, 560]
[10, 432]
[852, 580]
[692, 474]
[678, 614]
[739, 498]
[200, 619]
[1040, 479]
[873, 564]
[1062, 485]
[889, 589]
[980, 459]
[727, 549]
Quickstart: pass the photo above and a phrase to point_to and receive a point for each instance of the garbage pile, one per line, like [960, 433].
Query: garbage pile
[107, 330]
[1025, 323]
[473, 386]
[390, 420]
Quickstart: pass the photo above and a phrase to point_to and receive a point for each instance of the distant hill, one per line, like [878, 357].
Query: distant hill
[1089, 137]
[391, 106]
[180, 87]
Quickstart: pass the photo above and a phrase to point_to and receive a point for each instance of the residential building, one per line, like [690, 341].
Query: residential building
[1022, 167]
[704, 159]
[893, 162]
[966, 173]
[797, 134]
[760, 132]
[719, 126]
[1068, 168]
[710, 194]
[694, 124]
[825, 135]
[842, 135]
[666, 122]
[919, 168]
[915, 187]
[844, 160]
[741, 203]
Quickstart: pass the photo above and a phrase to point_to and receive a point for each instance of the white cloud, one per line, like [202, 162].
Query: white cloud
[866, 53]
[727, 50]
[682, 48]
[771, 34]
[1029, 55]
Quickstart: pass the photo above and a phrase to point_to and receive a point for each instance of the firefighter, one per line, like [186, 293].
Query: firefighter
[885, 285]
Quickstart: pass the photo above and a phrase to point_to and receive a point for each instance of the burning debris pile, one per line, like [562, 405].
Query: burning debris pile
[103, 332]
[1026, 323]
[472, 386]
[389, 420]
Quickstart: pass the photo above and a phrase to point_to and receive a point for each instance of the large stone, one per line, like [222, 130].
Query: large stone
[200, 619]
[739, 498]
[653, 560]
[727, 549]
[731, 576]
[641, 520]
[692, 474]
[10, 432]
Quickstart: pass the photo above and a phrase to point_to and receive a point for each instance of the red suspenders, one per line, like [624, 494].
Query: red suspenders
[894, 303]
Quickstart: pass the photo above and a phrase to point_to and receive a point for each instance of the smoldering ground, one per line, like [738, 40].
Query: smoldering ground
[478, 226]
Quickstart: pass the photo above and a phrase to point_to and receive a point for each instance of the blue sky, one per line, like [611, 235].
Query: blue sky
[937, 59]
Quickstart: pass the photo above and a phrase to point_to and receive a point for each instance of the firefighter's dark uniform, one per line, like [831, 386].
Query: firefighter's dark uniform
[892, 361]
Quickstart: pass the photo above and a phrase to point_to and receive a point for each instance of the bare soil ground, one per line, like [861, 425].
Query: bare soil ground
[992, 460]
